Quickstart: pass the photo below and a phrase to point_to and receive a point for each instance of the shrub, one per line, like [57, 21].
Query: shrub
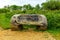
[53, 18]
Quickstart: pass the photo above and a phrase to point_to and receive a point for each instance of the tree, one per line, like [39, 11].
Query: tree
[37, 7]
[13, 7]
[51, 5]
[27, 7]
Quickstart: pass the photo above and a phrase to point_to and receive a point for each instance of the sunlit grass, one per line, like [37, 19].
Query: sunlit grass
[55, 33]
[4, 22]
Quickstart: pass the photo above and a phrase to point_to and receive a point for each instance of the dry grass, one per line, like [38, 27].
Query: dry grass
[58, 36]
[24, 35]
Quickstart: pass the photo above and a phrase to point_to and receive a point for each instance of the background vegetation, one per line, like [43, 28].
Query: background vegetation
[51, 9]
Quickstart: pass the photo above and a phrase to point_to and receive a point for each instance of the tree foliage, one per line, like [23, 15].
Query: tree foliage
[37, 7]
[51, 5]
[51, 9]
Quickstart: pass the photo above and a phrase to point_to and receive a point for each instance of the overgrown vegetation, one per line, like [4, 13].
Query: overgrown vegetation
[51, 12]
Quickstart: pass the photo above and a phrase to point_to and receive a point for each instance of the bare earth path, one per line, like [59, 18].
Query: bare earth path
[22, 35]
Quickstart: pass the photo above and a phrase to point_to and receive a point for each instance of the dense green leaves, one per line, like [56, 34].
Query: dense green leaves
[37, 7]
[51, 5]
[53, 17]
[51, 9]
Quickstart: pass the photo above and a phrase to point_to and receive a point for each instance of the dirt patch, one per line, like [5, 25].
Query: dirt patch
[24, 35]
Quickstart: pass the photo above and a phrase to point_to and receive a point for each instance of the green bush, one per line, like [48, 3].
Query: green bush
[53, 18]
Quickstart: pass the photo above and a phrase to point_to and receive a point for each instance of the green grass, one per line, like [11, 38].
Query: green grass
[4, 22]
[55, 33]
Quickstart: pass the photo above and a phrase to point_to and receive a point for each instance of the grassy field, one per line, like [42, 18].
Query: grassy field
[55, 33]
[4, 22]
